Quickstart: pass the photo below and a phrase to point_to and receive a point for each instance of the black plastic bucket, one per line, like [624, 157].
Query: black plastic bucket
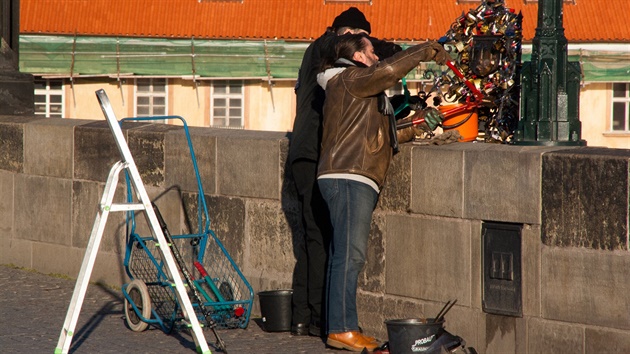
[412, 335]
[275, 308]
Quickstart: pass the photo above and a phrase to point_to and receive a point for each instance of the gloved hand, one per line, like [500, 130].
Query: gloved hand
[433, 117]
[441, 56]
[415, 102]
[407, 134]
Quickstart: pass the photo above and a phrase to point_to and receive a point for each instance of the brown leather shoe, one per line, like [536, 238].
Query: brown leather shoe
[353, 341]
[369, 339]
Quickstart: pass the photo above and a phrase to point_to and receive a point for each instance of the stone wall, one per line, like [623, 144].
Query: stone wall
[426, 245]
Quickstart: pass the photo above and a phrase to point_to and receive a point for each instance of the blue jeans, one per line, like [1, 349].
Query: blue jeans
[351, 204]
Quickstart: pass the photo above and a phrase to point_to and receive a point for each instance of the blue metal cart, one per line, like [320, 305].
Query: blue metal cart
[150, 299]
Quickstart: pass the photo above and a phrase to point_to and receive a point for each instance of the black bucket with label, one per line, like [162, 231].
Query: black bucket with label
[413, 335]
[275, 309]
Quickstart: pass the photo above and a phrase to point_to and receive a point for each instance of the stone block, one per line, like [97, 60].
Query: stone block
[179, 163]
[502, 183]
[55, 259]
[370, 313]
[194, 218]
[464, 322]
[398, 308]
[291, 207]
[6, 204]
[502, 334]
[228, 221]
[585, 286]
[605, 341]
[11, 147]
[476, 265]
[269, 247]
[372, 278]
[249, 166]
[554, 337]
[17, 92]
[396, 193]
[86, 197]
[95, 151]
[48, 147]
[42, 209]
[428, 258]
[530, 271]
[585, 198]
[15, 251]
[147, 144]
[437, 182]
[170, 203]
[289, 190]
[109, 270]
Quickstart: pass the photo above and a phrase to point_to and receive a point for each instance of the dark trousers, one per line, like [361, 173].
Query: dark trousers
[309, 275]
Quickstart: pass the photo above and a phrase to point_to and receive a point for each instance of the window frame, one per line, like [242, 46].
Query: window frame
[625, 100]
[227, 96]
[47, 92]
[151, 94]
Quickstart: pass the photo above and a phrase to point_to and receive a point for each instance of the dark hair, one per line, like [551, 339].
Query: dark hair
[345, 47]
[348, 44]
[352, 18]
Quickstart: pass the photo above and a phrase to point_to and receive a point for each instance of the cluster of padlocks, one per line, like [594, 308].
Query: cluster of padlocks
[486, 46]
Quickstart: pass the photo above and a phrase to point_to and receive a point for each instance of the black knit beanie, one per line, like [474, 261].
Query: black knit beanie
[353, 18]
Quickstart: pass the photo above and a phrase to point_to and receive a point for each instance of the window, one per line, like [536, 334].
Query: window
[49, 98]
[226, 104]
[620, 108]
[150, 97]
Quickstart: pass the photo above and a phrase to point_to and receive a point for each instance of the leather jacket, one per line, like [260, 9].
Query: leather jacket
[356, 135]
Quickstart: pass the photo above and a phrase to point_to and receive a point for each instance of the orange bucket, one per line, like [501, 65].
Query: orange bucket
[466, 122]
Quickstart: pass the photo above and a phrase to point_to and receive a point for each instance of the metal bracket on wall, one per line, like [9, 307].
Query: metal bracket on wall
[502, 270]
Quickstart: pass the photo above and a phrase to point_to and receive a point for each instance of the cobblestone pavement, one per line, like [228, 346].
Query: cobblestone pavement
[33, 307]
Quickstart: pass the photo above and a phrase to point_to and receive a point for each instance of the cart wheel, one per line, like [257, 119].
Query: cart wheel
[139, 294]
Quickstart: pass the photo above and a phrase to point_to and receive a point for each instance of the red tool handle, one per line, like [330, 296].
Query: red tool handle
[415, 121]
[201, 269]
[478, 95]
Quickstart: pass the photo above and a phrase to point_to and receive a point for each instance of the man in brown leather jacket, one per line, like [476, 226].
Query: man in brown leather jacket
[308, 315]
[359, 140]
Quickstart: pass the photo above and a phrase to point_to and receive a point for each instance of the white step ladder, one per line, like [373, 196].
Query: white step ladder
[105, 207]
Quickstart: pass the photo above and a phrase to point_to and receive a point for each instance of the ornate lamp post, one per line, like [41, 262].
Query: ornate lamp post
[550, 86]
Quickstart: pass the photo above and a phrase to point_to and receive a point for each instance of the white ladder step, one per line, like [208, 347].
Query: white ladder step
[124, 207]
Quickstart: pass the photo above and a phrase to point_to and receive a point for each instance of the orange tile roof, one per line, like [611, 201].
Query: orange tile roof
[405, 20]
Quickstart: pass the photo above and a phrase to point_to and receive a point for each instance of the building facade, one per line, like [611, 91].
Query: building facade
[216, 72]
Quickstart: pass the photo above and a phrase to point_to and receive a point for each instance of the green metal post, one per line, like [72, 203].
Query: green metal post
[550, 89]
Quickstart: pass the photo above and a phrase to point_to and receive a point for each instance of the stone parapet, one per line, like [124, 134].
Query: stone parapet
[426, 242]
